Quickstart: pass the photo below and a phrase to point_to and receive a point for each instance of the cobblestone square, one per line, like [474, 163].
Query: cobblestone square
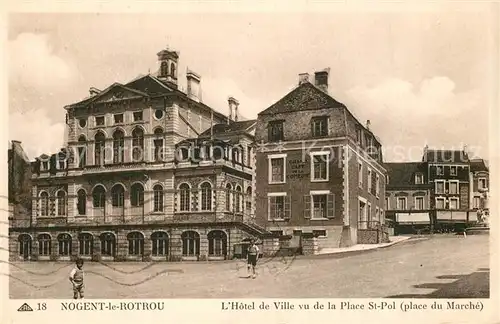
[445, 266]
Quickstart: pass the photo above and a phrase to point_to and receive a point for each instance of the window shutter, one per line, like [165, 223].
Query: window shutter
[307, 206]
[288, 210]
[330, 206]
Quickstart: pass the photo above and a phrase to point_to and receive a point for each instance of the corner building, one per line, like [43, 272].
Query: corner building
[149, 173]
[319, 170]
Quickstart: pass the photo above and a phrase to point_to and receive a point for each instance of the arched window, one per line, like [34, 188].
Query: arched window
[138, 144]
[158, 143]
[86, 243]
[64, 242]
[44, 204]
[44, 244]
[108, 244]
[99, 197]
[190, 243]
[237, 199]
[100, 151]
[217, 243]
[82, 151]
[158, 198]
[61, 203]
[248, 206]
[24, 246]
[135, 243]
[159, 242]
[118, 146]
[185, 197]
[164, 69]
[137, 195]
[229, 190]
[172, 70]
[81, 203]
[206, 196]
[117, 195]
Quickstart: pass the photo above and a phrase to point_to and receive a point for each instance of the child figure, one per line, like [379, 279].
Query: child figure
[253, 255]
[76, 278]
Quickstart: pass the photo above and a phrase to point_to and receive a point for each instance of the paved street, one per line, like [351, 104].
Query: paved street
[442, 266]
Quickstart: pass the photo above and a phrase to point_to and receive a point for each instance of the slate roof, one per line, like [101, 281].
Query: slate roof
[239, 126]
[402, 174]
[305, 97]
[478, 165]
[446, 156]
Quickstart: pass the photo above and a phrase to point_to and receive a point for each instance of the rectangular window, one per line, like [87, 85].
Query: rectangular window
[477, 202]
[439, 170]
[453, 203]
[277, 169]
[118, 118]
[319, 166]
[137, 116]
[482, 183]
[453, 185]
[360, 174]
[276, 132]
[319, 233]
[439, 203]
[369, 180]
[369, 214]
[440, 187]
[45, 166]
[278, 207]
[453, 170]
[377, 214]
[419, 203]
[319, 206]
[386, 202]
[419, 178]
[319, 126]
[401, 203]
[359, 134]
[99, 121]
[377, 185]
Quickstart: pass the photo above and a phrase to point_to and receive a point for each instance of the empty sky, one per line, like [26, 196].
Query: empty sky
[421, 78]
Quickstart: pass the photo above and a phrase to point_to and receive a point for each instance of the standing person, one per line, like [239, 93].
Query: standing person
[76, 278]
[253, 255]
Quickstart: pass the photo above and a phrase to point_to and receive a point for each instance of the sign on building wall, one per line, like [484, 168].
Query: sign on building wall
[297, 169]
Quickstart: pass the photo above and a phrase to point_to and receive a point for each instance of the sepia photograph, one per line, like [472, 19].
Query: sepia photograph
[250, 155]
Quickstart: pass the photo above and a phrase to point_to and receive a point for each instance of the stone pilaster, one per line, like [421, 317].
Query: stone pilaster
[34, 203]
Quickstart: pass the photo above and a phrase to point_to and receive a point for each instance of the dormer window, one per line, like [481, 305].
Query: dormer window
[45, 165]
[61, 164]
[419, 178]
[118, 118]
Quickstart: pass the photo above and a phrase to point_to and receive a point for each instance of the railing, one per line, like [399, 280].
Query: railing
[374, 224]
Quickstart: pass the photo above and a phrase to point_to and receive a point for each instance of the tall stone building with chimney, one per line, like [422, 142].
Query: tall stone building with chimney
[319, 170]
[149, 173]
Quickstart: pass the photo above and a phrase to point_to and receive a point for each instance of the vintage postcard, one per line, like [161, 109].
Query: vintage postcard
[250, 163]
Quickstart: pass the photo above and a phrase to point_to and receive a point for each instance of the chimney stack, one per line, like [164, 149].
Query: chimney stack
[303, 78]
[321, 79]
[233, 108]
[368, 124]
[93, 91]
[193, 85]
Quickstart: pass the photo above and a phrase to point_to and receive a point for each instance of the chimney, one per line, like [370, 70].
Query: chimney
[193, 85]
[368, 124]
[233, 108]
[303, 78]
[321, 79]
[93, 91]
